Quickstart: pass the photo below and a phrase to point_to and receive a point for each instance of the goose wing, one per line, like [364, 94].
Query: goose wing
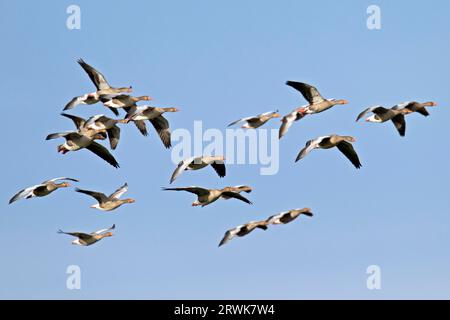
[287, 122]
[140, 124]
[230, 194]
[375, 109]
[100, 197]
[161, 126]
[230, 234]
[119, 192]
[103, 153]
[58, 135]
[104, 230]
[347, 149]
[60, 178]
[400, 124]
[96, 77]
[310, 93]
[219, 168]
[114, 136]
[310, 145]
[181, 167]
[76, 101]
[78, 121]
[80, 235]
[25, 193]
[196, 190]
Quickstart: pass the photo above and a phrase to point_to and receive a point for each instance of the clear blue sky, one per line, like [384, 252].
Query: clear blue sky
[218, 61]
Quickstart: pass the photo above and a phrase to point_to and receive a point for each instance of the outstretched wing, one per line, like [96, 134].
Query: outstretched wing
[119, 192]
[180, 168]
[228, 236]
[60, 178]
[310, 93]
[105, 230]
[114, 136]
[310, 145]
[375, 109]
[100, 197]
[161, 126]
[103, 153]
[196, 190]
[287, 122]
[219, 168]
[58, 135]
[25, 193]
[347, 149]
[78, 121]
[400, 124]
[230, 194]
[96, 77]
[80, 235]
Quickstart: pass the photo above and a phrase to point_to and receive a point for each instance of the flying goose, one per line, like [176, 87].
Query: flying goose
[41, 190]
[418, 107]
[108, 203]
[288, 216]
[76, 141]
[243, 230]
[155, 116]
[256, 121]
[104, 91]
[98, 124]
[343, 143]
[380, 114]
[198, 163]
[208, 196]
[86, 239]
[316, 102]
[125, 100]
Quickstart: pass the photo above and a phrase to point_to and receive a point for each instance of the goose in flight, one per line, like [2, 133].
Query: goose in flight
[196, 163]
[381, 114]
[155, 116]
[98, 124]
[256, 121]
[86, 239]
[316, 102]
[243, 230]
[41, 190]
[108, 203]
[104, 91]
[343, 143]
[288, 216]
[208, 196]
[76, 141]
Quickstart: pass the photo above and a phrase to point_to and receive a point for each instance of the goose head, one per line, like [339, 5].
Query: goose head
[430, 104]
[129, 200]
[171, 109]
[64, 185]
[108, 234]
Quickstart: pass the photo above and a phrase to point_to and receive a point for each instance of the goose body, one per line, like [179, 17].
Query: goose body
[343, 143]
[87, 239]
[208, 196]
[256, 121]
[41, 190]
[108, 203]
[243, 230]
[197, 163]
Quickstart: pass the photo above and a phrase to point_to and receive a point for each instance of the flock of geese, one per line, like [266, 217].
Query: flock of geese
[101, 127]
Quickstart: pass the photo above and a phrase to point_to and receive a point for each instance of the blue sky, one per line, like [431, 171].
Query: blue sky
[218, 61]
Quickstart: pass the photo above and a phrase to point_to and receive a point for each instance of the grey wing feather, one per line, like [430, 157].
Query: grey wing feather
[103, 153]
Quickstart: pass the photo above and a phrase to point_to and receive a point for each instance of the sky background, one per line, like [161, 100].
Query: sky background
[219, 61]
